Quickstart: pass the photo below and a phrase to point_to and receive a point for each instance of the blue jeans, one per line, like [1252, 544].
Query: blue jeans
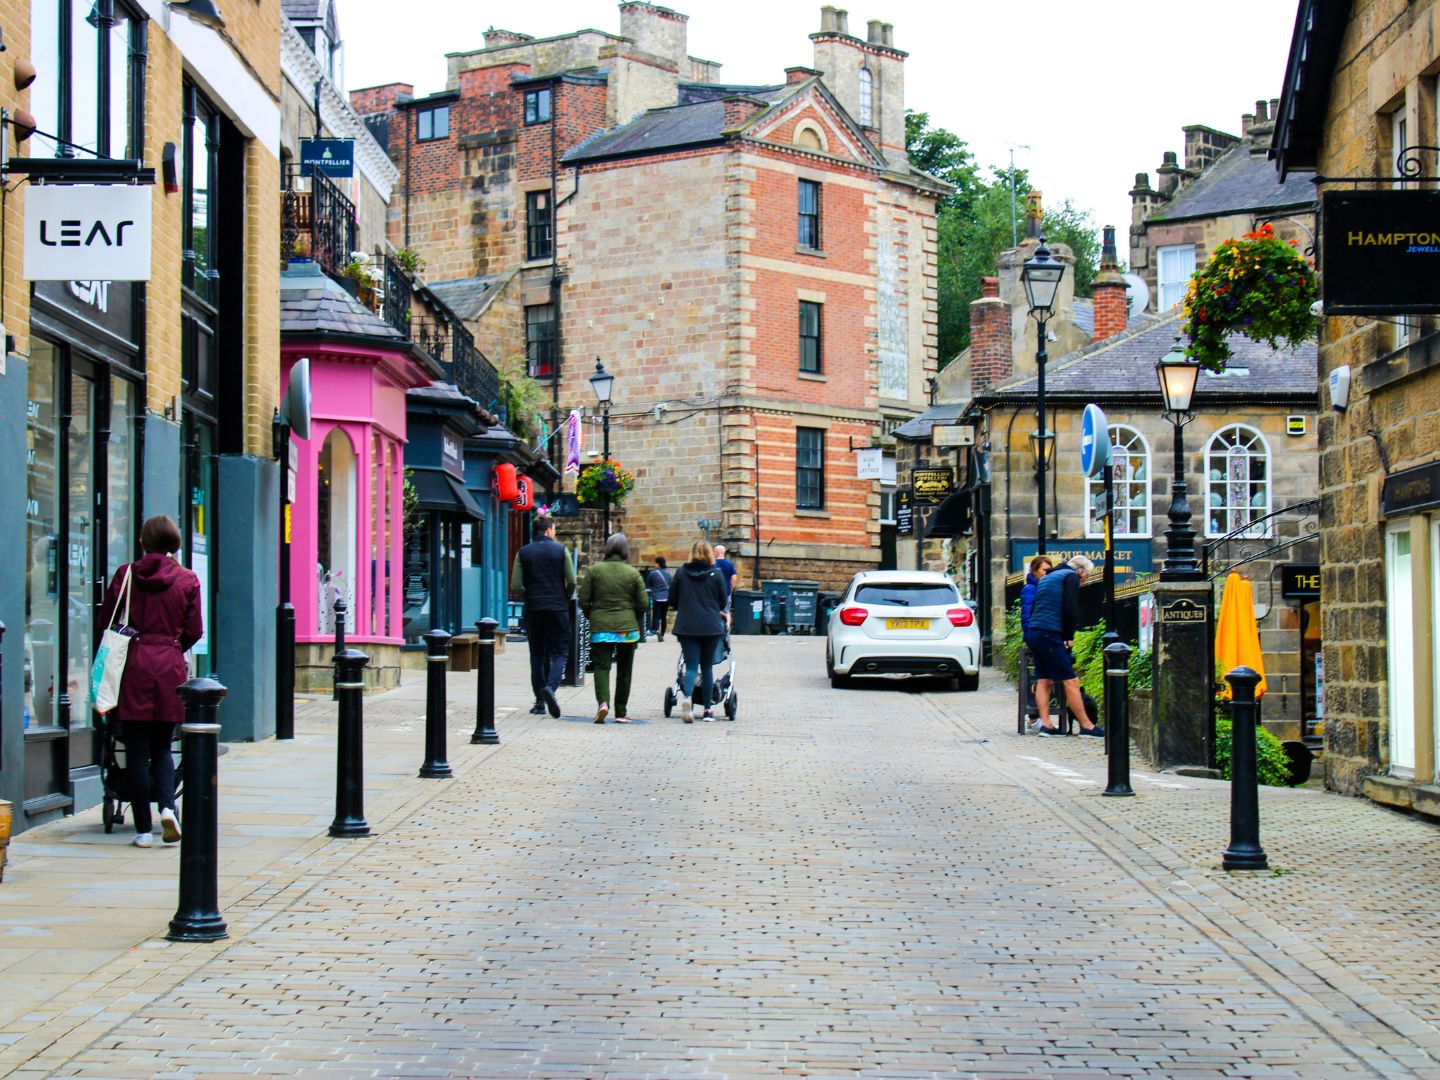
[700, 652]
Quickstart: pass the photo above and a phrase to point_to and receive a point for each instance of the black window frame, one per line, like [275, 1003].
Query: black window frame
[809, 476]
[812, 356]
[429, 114]
[199, 271]
[101, 15]
[539, 224]
[809, 215]
[534, 113]
[540, 358]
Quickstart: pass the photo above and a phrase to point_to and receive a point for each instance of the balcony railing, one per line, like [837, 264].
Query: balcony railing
[453, 348]
[396, 295]
[317, 221]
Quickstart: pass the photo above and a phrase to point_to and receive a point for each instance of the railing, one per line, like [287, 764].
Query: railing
[453, 348]
[1254, 540]
[318, 223]
[395, 307]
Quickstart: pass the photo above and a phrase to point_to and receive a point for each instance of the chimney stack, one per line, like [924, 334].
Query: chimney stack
[991, 359]
[875, 32]
[842, 21]
[1111, 304]
[1034, 216]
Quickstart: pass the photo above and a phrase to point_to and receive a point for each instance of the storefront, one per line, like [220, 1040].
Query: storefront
[1300, 588]
[349, 510]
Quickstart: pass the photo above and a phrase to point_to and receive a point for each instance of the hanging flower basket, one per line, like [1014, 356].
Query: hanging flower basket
[1258, 286]
[603, 478]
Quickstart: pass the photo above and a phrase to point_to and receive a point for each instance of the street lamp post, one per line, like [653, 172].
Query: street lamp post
[602, 382]
[1178, 375]
[1041, 274]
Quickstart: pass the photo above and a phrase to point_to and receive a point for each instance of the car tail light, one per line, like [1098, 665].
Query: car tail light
[960, 616]
[853, 616]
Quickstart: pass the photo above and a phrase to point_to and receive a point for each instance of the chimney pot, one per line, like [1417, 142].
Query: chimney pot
[827, 18]
[842, 21]
[1275, 109]
[875, 32]
[888, 35]
[989, 286]
[1169, 159]
[1261, 111]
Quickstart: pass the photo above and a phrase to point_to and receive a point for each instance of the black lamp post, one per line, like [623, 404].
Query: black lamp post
[1041, 274]
[1178, 375]
[602, 382]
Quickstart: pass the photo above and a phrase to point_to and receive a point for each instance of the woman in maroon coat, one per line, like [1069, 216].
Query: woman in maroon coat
[165, 615]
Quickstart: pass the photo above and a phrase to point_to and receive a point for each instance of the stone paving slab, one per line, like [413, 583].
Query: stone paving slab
[876, 881]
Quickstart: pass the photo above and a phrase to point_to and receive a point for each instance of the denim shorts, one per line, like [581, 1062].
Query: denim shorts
[1052, 659]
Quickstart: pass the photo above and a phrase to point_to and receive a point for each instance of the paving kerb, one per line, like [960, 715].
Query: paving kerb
[1067, 762]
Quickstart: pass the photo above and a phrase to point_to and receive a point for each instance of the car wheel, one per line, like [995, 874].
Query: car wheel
[968, 682]
[839, 682]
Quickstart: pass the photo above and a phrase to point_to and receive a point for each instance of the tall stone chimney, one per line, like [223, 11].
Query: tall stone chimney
[843, 59]
[1112, 306]
[991, 358]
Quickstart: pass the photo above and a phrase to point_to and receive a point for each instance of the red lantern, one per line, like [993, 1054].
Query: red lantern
[524, 493]
[505, 483]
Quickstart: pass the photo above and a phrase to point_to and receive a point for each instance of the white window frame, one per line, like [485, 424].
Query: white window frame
[1223, 486]
[1170, 289]
[1400, 648]
[1123, 438]
[867, 98]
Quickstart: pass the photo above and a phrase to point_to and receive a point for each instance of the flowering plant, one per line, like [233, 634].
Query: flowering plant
[1258, 286]
[604, 478]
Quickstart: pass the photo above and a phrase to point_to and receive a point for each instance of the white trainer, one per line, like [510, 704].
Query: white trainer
[169, 826]
[686, 713]
[143, 840]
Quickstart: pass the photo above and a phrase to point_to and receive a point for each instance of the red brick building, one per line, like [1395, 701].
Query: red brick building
[755, 265]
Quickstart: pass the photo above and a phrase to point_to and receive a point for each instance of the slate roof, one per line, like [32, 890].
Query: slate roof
[466, 297]
[312, 302]
[1122, 369]
[662, 129]
[918, 428]
[690, 93]
[1238, 181]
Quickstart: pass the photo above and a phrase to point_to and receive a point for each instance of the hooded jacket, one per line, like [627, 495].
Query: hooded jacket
[165, 615]
[612, 595]
[697, 597]
[1056, 609]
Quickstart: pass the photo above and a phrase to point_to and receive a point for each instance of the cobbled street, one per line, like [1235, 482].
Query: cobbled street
[884, 881]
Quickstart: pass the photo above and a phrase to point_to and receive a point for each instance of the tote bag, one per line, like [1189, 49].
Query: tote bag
[110, 656]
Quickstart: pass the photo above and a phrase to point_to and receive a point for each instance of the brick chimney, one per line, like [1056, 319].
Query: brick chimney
[797, 74]
[990, 356]
[1112, 306]
[738, 110]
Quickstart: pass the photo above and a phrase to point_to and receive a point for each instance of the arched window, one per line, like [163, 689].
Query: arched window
[1132, 487]
[867, 98]
[335, 514]
[1237, 481]
[807, 136]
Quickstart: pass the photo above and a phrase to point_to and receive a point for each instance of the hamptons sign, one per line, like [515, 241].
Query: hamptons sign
[87, 232]
[1381, 252]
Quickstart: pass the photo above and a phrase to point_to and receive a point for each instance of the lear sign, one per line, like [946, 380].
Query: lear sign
[87, 232]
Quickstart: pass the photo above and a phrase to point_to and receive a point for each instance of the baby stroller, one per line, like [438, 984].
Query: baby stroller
[112, 773]
[723, 691]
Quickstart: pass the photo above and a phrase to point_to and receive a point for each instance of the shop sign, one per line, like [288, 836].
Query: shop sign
[1411, 490]
[87, 232]
[931, 485]
[1300, 581]
[870, 463]
[1183, 610]
[904, 513]
[1132, 557]
[333, 157]
[452, 458]
[1381, 252]
[102, 305]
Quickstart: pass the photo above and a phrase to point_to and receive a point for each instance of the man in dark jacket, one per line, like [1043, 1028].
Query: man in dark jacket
[1039, 567]
[545, 576]
[1054, 618]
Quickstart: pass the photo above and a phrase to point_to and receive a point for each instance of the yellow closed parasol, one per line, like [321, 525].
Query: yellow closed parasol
[1237, 637]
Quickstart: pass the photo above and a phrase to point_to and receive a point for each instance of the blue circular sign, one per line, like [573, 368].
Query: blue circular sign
[1094, 441]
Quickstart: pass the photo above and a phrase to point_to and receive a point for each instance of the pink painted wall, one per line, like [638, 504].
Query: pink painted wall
[361, 393]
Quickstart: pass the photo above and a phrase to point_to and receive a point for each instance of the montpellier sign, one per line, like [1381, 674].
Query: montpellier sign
[931, 485]
[87, 232]
[1381, 252]
[333, 157]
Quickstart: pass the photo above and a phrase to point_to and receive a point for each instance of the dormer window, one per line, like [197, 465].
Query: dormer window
[867, 98]
[431, 124]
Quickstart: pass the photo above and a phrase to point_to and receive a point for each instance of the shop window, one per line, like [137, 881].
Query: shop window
[537, 105]
[810, 336]
[432, 124]
[808, 224]
[539, 228]
[540, 341]
[1175, 266]
[335, 516]
[201, 138]
[43, 621]
[1131, 457]
[809, 468]
[1237, 482]
[90, 57]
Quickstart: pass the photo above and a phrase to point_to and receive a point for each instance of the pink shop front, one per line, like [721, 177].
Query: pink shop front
[348, 515]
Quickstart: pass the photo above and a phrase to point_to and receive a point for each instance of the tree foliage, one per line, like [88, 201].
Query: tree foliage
[981, 219]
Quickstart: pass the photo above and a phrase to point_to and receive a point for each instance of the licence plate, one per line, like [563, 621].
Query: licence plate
[907, 624]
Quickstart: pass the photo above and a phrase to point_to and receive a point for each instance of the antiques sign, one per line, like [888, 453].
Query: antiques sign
[1411, 490]
[87, 232]
[1184, 610]
[1381, 252]
[931, 485]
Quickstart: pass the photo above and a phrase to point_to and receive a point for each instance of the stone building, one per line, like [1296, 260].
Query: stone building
[754, 265]
[127, 398]
[1360, 90]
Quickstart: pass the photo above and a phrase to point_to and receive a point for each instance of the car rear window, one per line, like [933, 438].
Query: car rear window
[906, 593]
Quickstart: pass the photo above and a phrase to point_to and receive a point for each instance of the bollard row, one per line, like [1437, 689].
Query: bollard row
[1244, 852]
[1117, 718]
[437, 656]
[485, 732]
[349, 748]
[198, 916]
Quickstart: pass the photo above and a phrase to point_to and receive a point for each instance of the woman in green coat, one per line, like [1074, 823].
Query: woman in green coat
[613, 598]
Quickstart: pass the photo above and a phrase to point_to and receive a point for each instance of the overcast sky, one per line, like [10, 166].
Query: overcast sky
[1096, 89]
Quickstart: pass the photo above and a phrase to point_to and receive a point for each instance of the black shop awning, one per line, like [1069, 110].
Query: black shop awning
[437, 490]
[951, 517]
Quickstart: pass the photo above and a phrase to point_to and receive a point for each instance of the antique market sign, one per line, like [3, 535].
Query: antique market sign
[931, 485]
[1132, 557]
[1411, 490]
[87, 232]
[1183, 610]
[1381, 252]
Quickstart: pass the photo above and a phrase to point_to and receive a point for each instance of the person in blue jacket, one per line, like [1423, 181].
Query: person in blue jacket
[1039, 567]
[1054, 618]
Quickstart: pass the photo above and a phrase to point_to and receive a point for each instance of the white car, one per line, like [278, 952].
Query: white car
[903, 622]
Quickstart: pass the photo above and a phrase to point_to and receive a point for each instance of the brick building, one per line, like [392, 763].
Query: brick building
[754, 264]
[1359, 91]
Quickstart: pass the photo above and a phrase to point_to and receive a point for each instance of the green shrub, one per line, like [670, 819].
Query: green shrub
[1142, 668]
[1271, 764]
[1011, 641]
[1090, 661]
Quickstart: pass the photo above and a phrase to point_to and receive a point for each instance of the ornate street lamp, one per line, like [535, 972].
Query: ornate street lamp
[1178, 375]
[602, 382]
[1041, 275]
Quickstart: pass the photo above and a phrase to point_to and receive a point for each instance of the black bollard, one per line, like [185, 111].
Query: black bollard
[198, 916]
[485, 684]
[1244, 852]
[339, 609]
[437, 655]
[1117, 716]
[349, 747]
